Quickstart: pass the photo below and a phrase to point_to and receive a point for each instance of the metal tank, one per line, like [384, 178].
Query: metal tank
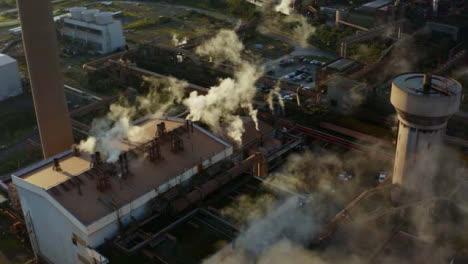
[88, 15]
[76, 12]
[424, 103]
[104, 18]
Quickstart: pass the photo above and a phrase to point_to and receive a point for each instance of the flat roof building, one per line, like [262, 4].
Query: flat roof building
[87, 201]
[98, 29]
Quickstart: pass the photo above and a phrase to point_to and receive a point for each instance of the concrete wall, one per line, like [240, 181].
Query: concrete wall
[416, 155]
[110, 39]
[52, 231]
[10, 81]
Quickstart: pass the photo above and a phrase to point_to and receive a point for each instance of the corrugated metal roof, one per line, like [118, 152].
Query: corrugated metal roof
[377, 4]
[5, 59]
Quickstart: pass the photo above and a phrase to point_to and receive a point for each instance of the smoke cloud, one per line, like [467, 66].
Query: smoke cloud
[281, 231]
[107, 133]
[220, 106]
[176, 41]
[284, 7]
[275, 92]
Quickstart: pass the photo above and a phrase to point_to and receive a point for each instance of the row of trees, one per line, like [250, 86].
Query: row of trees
[7, 3]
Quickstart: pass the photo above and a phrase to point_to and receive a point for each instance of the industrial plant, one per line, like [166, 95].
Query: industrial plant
[234, 131]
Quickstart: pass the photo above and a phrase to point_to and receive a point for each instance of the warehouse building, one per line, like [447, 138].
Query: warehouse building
[87, 200]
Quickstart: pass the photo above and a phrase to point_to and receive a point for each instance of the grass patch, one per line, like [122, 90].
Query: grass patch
[18, 122]
[272, 48]
[147, 23]
[237, 8]
[15, 161]
[320, 58]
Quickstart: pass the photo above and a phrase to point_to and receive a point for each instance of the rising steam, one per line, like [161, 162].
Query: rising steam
[107, 133]
[284, 7]
[177, 42]
[220, 106]
[275, 93]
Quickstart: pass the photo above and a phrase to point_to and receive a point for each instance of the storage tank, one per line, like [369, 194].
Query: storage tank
[76, 12]
[104, 18]
[424, 103]
[88, 15]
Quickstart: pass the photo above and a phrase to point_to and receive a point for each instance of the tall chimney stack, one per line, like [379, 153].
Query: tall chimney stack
[41, 49]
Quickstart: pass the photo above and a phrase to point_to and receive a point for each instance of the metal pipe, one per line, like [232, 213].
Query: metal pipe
[41, 50]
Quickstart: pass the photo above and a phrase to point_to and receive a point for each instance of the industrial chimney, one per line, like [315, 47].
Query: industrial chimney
[41, 49]
[424, 103]
[435, 6]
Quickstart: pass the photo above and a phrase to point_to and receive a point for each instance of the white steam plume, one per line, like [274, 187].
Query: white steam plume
[275, 92]
[295, 26]
[107, 133]
[219, 107]
[284, 7]
[176, 41]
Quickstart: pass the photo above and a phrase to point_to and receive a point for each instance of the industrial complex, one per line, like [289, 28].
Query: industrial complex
[234, 131]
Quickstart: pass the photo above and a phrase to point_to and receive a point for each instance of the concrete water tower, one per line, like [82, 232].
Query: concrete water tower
[424, 103]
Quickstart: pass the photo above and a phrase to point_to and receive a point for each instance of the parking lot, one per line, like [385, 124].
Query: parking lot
[298, 70]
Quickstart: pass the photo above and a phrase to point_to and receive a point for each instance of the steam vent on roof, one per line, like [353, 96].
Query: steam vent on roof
[424, 103]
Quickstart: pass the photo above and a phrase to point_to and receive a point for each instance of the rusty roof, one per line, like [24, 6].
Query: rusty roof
[75, 187]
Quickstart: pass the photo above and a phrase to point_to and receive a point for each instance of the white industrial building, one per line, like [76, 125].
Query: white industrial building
[10, 81]
[71, 206]
[99, 29]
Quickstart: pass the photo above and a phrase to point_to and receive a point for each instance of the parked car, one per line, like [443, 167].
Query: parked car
[345, 176]
[382, 176]
[310, 79]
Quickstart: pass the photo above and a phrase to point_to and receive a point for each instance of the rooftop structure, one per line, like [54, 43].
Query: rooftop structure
[10, 81]
[95, 28]
[375, 5]
[342, 65]
[424, 104]
[87, 200]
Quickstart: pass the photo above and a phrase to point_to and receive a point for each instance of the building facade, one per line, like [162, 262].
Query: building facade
[97, 29]
[68, 212]
[10, 81]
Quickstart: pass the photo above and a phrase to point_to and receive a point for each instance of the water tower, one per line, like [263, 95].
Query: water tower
[424, 103]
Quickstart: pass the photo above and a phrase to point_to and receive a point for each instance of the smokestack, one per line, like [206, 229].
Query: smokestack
[41, 49]
[427, 82]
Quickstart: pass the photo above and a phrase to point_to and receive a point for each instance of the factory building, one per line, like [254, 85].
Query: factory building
[424, 104]
[97, 29]
[10, 81]
[73, 202]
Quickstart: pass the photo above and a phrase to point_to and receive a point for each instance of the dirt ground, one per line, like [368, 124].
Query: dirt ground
[12, 250]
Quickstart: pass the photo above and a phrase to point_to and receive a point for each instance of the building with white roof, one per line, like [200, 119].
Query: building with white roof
[98, 29]
[10, 81]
